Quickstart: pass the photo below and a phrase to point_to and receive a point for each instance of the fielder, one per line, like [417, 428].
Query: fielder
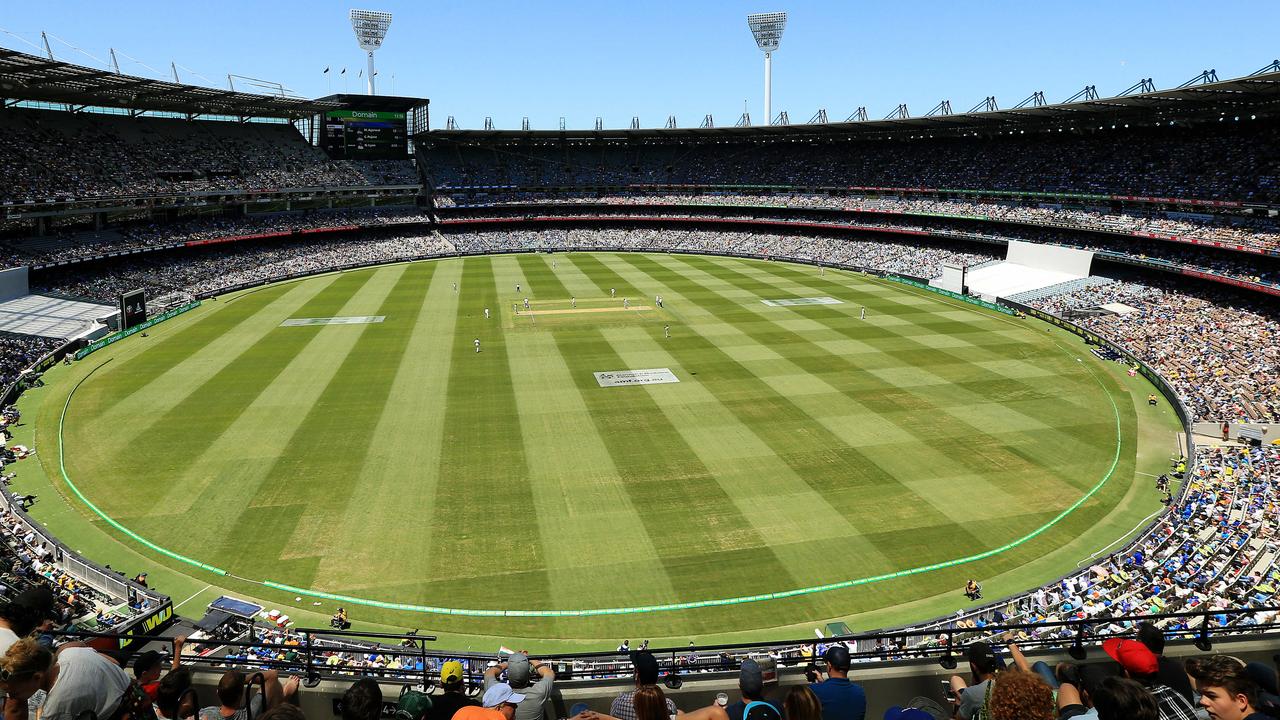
[611, 293]
[477, 344]
[666, 331]
[526, 303]
[455, 287]
[517, 288]
[573, 302]
[625, 304]
[486, 313]
[863, 314]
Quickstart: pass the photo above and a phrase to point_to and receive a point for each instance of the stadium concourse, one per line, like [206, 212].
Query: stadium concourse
[1181, 210]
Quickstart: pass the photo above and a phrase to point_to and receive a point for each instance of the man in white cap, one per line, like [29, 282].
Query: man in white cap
[534, 681]
[500, 703]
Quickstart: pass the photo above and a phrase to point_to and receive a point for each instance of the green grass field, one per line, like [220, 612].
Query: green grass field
[801, 446]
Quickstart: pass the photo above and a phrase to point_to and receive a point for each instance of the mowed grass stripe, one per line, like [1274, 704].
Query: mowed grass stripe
[830, 461]
[921, 543]
[261, 419]
[578, 493]
[782, 507]
[914, 416]
[398, 479]
[137, 369]
[242, 326]
[173, 444]
[699, 533]
[979, 397]
[332, 441]
[483, 529]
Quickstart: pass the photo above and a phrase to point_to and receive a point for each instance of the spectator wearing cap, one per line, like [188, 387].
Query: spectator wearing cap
[1140, 664]
[1226, 690]
[500, 702]
[1170, 672]
[841, 698]
[520, 671]
[362, 701]
[646, 666]
[454, 697]
[751, 685]
[983, 666]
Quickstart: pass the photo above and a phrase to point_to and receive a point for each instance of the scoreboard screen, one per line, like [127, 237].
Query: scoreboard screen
[133, 308]
[365, 135]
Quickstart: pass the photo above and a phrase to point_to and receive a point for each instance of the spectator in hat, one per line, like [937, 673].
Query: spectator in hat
[1226, 690]
[362, 701]
[983, 666]
[1170, 672]
[454, 696]
[841, 698]
[500, 702]
[520, 676]
[1140, 664]
[646, 667]
[751, 685]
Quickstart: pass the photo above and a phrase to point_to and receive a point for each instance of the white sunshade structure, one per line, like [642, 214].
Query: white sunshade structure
[371, 28]
[767, 29]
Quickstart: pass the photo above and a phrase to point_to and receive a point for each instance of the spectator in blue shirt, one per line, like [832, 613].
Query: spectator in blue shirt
[841, 698]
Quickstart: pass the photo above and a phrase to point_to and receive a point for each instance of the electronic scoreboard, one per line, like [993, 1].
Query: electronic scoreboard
[133, 308]
[365, 135]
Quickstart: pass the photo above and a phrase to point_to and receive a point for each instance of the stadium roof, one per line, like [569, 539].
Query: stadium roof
[31, 77]
[1259, 92]
[385, 103]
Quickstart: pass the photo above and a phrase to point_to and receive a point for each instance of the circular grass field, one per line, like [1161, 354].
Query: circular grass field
[338, 439]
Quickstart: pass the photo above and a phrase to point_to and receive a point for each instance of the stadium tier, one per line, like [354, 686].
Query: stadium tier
[1175, 208]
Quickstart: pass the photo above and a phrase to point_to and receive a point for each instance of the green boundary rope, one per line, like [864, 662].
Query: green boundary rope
[587, 612]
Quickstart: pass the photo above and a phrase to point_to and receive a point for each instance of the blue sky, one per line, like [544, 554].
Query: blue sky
[654, 58]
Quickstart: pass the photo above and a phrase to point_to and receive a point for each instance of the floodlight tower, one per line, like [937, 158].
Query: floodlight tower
[371, 27]
[767, 29]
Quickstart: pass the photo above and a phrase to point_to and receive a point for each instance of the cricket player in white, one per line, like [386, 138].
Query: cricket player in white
[625, 304]
[477, 344]
[517, 287]
[573, 302]
[863, 314]
[611, 293]
[526, 303]
[486, 313]
[666, 331]
[455, 287]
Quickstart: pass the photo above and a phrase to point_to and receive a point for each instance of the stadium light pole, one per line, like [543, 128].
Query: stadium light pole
[371, 27]
[767, 29]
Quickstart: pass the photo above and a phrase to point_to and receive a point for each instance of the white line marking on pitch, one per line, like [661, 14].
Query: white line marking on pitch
[193, 596]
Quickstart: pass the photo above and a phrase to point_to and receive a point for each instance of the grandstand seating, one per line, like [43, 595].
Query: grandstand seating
[55, 155]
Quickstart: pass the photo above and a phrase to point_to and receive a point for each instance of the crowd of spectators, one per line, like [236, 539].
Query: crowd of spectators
[1220, 350]
[1220, 161]
[19, 352]
[48, 155]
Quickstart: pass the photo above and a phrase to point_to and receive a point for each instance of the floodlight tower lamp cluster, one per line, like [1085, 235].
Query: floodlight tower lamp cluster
[371, 29]
[767, 29]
